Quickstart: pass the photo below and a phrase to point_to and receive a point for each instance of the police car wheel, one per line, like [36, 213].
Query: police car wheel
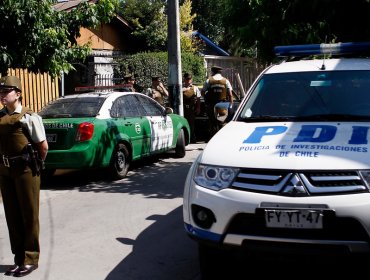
[180, 145]
[120, 162]
[46, 173]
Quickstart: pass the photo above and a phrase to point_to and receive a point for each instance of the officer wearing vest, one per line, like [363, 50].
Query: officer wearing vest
[158, 91]
[216, 89]
[23, 147]
[191, 100]
[129, 82]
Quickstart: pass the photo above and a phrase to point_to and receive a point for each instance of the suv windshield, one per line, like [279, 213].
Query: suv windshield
[341, 95]
[72, 107]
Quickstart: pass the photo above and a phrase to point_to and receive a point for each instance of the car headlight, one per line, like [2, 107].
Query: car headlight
[214, 177]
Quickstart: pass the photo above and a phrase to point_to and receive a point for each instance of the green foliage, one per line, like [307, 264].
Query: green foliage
[209, 20]
[36, 37]
[186, 27]
[149, 21]
[147, 64]
[263, 24]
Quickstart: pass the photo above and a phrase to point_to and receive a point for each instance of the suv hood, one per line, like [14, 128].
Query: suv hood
[287, 145]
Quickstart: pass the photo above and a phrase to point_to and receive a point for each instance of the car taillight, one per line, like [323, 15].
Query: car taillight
[85, 131]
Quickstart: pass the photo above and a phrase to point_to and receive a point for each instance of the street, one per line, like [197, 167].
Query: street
[93, 228]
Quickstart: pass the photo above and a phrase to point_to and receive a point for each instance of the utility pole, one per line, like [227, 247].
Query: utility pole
[174, 57]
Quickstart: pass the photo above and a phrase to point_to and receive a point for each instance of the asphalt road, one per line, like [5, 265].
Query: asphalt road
[93, 228]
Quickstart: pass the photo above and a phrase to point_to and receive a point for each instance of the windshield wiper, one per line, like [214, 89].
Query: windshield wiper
[49, 116]
[319, 117]
[267, 118]
[335, 117]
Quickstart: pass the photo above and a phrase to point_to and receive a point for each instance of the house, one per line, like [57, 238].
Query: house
[108, 41]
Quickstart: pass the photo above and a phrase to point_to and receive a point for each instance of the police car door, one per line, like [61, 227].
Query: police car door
[161, 128]
[132, 124]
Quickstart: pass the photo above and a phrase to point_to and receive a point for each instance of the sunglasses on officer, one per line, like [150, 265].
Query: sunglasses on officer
[6, 90]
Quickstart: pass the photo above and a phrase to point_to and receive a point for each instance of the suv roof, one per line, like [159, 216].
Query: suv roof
[330, 57]
[337, 64]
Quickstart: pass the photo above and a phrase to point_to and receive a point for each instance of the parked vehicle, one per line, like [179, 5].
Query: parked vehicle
[291, 170]
[110, 129]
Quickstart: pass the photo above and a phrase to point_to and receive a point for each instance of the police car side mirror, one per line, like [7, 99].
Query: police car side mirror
[169, 110]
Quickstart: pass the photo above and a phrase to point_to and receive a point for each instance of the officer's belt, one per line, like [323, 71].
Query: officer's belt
[11, 161]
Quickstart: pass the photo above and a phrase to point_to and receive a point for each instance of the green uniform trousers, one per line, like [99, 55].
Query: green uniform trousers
[21, 197]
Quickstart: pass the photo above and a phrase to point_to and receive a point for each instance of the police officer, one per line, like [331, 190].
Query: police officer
[191, 100]
[20, 176]
[158, 91]
[129, 81]
[216, 89]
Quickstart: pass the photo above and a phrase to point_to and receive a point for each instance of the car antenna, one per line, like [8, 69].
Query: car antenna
[323, 67]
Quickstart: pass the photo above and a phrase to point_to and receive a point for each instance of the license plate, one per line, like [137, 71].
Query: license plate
[294, 218]
[51, 138]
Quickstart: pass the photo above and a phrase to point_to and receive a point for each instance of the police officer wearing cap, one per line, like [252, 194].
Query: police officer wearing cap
[23, 147]
[191, 100]
[216, 89]
[129, 81]
[158, 91]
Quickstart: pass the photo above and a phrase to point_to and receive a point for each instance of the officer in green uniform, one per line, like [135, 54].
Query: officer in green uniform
[158, 91]
[23, 147]
[216, 89]
[129, 81]
[191, 100]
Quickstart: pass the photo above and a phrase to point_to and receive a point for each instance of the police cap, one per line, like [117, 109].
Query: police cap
[216, 69]
[10, 82]
[129, 77]
[188, 76]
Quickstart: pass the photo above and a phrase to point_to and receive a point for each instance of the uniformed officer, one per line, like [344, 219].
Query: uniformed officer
[216, 89]
[129, 81]
[20, 175]
[191, 100]
[158, 91]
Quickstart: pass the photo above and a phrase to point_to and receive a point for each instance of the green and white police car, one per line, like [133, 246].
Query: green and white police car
[292, 167]
[109, 129]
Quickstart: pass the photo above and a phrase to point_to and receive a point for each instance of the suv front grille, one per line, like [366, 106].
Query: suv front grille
[312, 182]
[335, 228]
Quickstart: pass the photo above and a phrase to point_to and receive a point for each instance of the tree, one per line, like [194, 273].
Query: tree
[149, 20]
[36, 37]
[262, 24]
[186, 27]
[209, 22]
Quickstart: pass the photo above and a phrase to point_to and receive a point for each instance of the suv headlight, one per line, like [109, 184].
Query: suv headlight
[214, 177]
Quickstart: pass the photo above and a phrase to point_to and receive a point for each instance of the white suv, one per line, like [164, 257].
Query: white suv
[292, 167]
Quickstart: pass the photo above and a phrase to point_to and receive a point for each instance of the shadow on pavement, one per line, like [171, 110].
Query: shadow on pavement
[159, 252]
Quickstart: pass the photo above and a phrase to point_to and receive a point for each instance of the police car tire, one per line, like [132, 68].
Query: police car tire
[46, 173]
[180, 145]
[120, 162]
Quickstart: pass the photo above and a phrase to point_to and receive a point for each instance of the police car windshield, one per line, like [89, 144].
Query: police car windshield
[334, 95]
[72, 107]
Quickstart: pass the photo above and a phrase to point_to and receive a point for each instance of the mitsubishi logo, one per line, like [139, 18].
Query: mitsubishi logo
[294, 187]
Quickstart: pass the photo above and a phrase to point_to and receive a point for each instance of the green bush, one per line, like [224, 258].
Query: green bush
[147, 64]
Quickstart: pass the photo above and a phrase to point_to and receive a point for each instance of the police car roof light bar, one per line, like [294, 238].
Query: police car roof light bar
[319, 49]
[105, 88]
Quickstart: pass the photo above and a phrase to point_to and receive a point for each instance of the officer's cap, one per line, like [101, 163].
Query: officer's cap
[216, 68]
[129, 77]
[10, 82]
[188, 76]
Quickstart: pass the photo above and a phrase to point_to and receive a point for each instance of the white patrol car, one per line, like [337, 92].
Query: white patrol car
[293, 166]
